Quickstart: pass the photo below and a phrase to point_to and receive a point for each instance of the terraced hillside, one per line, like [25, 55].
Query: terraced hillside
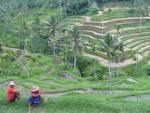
[132, 31]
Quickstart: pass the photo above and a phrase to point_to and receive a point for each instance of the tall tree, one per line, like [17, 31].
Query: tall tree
[54, 30]
[24, 34]
[140, 10]
[112, 46]
[77, 45]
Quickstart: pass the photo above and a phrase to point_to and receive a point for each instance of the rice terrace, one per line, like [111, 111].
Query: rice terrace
[74, 56]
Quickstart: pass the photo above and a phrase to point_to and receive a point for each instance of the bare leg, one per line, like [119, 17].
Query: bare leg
[29, 107]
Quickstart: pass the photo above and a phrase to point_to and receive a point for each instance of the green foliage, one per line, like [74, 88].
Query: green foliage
[39, 44]
[90, 68]
[35, 3]
[8, 65]
[96, 72]
[112, 47]
[137, 70]
[77, 7]
[54, 3]
[93, 10]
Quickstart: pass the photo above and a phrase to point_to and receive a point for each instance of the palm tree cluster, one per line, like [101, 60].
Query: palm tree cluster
[114, 49]
[60, 40]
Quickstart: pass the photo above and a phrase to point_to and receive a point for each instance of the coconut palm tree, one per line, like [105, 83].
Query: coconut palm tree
[140, 10]
[54, 30]
[112, 46]
[77, 44]
[24, 34]
[93, 47]
[65, 43]
[119, 54]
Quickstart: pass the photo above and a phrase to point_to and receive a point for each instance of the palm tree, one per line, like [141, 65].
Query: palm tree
[77, 45]
[65, 8]
[1, 61]
[112, 46]
[53, 27]
[60, 2]
[119, 54]
[93, 47]
[140, 10]
[65, 44]
[38, 29]
[24, 33]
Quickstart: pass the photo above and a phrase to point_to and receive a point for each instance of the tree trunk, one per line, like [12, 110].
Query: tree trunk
[109, 68]
[140, 23]
[118, 67]
[54, 49]
[61, 9]
[65, 9]
[25, 45]
[75, 61]
[65, 55]
[1, 68]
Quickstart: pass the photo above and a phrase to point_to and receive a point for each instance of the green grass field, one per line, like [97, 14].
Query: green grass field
[106, 96]
[87, 103]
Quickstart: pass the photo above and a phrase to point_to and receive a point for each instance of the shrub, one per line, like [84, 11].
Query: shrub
[35, 3]
[90, 68]
[95, 71]
[77, 7]
[93, 10]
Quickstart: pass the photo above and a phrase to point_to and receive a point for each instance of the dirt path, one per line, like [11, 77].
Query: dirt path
[138, 98]
[136, 34]
[94, 26]
[83, 91]
[67, 76]
[144, 48]
[12, 49]
[87, 18]
[136, 39]
[126, 29]
[88, 36]
[130, 18]
[149, 62]
[95, 33]
[135, 43]
[114, 31]
[107, 63]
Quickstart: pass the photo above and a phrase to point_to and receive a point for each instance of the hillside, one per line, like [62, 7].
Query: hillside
[87, 56]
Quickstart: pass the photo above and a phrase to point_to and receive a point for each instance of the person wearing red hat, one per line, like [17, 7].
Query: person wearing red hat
[35, 98]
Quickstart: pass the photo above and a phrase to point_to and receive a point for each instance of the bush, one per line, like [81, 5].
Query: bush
[34, 3]
[77, 7]
[53, 4]
[131, 11]
[137, 70]
[141, 70]
[92, 78]
[96, 72]
[93, 10]
[90, 68]
[9, 67]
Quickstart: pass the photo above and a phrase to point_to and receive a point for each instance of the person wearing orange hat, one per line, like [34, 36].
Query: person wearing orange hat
[35, 98]
[12, 94]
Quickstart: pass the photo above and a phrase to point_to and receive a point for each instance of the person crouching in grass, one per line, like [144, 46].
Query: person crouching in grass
[12, 94]
[35, 98]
